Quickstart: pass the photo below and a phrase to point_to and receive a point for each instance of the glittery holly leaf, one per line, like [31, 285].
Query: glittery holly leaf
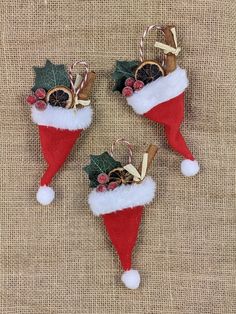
[50, 75]
[103, 163]
[124, 70]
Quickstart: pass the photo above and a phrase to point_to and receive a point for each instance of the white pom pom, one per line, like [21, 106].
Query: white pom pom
[131, 279]
[45, 195]
[189, 167]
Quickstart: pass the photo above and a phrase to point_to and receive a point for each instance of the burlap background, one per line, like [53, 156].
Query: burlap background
[57, 259]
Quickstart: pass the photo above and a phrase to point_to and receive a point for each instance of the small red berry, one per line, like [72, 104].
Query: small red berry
[101, 188]
[127, 91]
[31, 99]
[129, 81]
[138, 85]
[40, 93]
[40, 105]
[102, 178]
[112, 185]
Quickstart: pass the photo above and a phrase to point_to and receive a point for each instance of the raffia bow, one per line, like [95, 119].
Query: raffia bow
[81, 102]
[168, 49]
[133, 171]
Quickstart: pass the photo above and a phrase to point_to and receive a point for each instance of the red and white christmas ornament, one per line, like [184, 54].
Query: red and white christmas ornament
[121, 207]
[161, 99]
[61, 115]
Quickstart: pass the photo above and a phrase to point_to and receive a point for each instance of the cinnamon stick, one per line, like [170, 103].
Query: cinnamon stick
[151, 151]
[170, 57]
[86, 90]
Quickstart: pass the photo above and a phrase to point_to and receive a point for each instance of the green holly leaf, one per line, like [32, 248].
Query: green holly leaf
[123, 70]
[99, 164]
[119, 85]
[51, 75]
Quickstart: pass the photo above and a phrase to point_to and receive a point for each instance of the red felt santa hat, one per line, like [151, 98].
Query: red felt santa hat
[163, 101]
[61, 109]
[59, 128]
[160, 98]
[121, 210]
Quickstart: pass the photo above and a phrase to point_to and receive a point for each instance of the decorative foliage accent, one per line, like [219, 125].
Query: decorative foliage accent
[124, 70]
[103, 163]
[50, 75]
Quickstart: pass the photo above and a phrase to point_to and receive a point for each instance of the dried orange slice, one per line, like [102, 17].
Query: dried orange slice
[120, 176]
[148, 71]
[60, 96]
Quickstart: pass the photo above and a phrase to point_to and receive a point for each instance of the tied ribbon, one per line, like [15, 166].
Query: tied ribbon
[168, 49]
[81, 102]
[132, 170]
[84, 103]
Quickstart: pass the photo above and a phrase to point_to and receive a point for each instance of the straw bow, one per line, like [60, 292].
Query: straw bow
[168, 49]
[132, 170]
[129, 167]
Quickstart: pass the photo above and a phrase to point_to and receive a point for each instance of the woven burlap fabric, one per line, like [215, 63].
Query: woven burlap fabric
[58, 259]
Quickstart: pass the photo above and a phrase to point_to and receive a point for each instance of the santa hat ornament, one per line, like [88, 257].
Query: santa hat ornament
[156, 91]
[61, 108]
[119, 195]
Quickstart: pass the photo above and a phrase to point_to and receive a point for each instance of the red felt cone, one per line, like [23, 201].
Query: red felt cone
[121, 210]
[163, 102]
[170, 114]
[122, 227]
[59, 128]
[56, 145]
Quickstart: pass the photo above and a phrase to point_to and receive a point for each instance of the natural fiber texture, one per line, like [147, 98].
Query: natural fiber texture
[58, 259]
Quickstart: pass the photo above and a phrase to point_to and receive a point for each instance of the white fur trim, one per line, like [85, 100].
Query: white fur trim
[131, 279]
[45, 195]
[189, 167]
[124, 196]
[61, 118]
[159, 91]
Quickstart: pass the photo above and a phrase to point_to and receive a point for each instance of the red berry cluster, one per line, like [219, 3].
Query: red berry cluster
[131, 85]
[37, 99]
[104, 184]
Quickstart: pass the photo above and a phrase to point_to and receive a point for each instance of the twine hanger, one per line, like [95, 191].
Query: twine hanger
[145, 33]
[166, 48]
[79, 83]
